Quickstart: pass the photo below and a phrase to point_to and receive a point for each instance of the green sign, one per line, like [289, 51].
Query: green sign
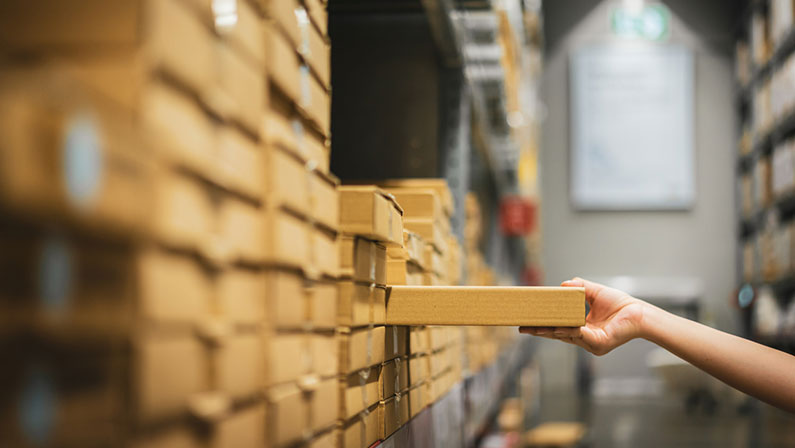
[650, 22]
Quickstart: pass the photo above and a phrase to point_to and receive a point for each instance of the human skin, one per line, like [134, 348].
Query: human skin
[615, 318]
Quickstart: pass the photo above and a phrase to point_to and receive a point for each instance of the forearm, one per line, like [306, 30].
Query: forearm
[755, 369]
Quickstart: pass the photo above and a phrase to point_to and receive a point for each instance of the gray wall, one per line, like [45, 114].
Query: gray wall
[699, 242]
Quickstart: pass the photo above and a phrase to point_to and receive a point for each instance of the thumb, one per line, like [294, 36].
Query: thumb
[575, 282]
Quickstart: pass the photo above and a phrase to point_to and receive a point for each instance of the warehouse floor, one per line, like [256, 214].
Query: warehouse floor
[664, 422]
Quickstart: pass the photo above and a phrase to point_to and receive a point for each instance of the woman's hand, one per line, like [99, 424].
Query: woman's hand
[614, 319]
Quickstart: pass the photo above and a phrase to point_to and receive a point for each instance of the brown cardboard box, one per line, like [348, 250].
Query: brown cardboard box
[326, 354]
[440, 362]
[242, 89]
[241, 237]
[287, 182]
[366, 211]
[324, 409]
[418, 368]
[287, 414]
[362, 260]
[325, 201]
[361, 430]
[401, 272]
[169, 371]
[282, 63]
[418, 399]
[239, 365]
[361, 348]
[284, 297]
[165, 34]
[471, 305]
[183, 215]
[393, 378]
[318, 15]
[324, 253]
[51, 160]
[323, 304]
[245, 429]
[283, 128]
[440, 185]
[419, 203]
[244, 33]
[360, 305]
[314, 49]
[430, 231]
[240, 162]
[294, 355]
[412, 250]
[282, 12]
[431, 279]
[326, 439]
[394, 413]
[358, 391]
[434, 262]
[419, 340]
[287, 240]
[241, 295]
[314, 101]
[396, 340]
[172, 287]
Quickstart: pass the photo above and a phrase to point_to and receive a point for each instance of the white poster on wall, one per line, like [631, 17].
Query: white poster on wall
[632, 127]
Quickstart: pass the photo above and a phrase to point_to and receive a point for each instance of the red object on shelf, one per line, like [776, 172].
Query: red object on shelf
[517, 215]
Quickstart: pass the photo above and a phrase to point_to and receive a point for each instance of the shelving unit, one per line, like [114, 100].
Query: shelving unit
[765, 216]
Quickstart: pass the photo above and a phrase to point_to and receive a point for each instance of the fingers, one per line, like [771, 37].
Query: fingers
[561, 333]
[592, 289]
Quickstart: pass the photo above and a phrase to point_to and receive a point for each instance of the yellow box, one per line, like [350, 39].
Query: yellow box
[360, 305]
[287, 414]
[287, 240]
[474, 305]
[239, 365]
[283, 63]
[418, 368]
[367, 211]
[396, 340]
[364, 425]
[393, 378]
[430, 231]
[325, 253]
[439, 185]
[242, 89]
[402, 272]
[393, 413]
[362, 260]
[358, 391]
[361, 348]
[240, 163]
[241, 295]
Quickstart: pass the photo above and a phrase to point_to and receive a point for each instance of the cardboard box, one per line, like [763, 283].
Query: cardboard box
[439, 185]
[51, 161]
[287, 182]
[282, 12]
[239, 365]
[361, 348]
[285, 129]
[324, 200]
[325, 398]
[240, 162]
[361, 430]
[440, 362]
[360, 305]
[401, 272]
[241, 87]
[286, 359]
[318, 15]
[244, 428]
[324, 253]
[183, 214]
[472, 305]
[396, 340]
[241, 295]
[419, 340]
[283, 63]
[171, 287]
[244, 33]
[287, 414]
[313, 48]
[240, 238]
[419, 369]
[362, 260]
[314, 102]
[326, 354]
[430, 231]
[419, 204]
[393, 378]
[367, 211]
[164, 34]
[418, 399]
[323, 304]
[168, 372]
[394, 413]
[358, 391]
[326, 439]
[434, 262]
[287, 240]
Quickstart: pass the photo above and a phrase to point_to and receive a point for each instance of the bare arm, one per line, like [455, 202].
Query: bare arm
[616, 318]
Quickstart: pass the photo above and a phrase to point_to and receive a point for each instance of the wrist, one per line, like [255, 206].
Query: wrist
[651, 318]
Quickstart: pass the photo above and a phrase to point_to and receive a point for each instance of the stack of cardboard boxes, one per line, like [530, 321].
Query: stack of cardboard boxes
[373, 375]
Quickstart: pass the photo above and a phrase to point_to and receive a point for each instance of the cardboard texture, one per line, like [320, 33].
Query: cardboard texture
[430, 231]
[439, 185]
[393, 378]
[282, 64]
[323, 304]
[239, 365]
[360, 305]
[358, 391]
[434, 262]
[361, 430]
[245, 429]
[241, 239]
[243, 34]
[325, 404]
[396, 340]
[418, 399]
[240, 162]
[401, 272]
[168, 372]
[284, 298]
[172, 287]
[419, 340]
[419, 204]
[283, 128]
[241, 295]
[326, 439]
[165, 35]
[326, 354]
[183, 214]
[361, 348]
[471, 305]
[366, 211]
[324, 201]
[287, 240]
[314, 101]
[282, 12]
[287, 414]
[325, 253]
[241, 89]
[287, 182]
[362, 260]
[318, 15]
[393, 413]
[413, 249]
[314, 49]
[419, 369]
